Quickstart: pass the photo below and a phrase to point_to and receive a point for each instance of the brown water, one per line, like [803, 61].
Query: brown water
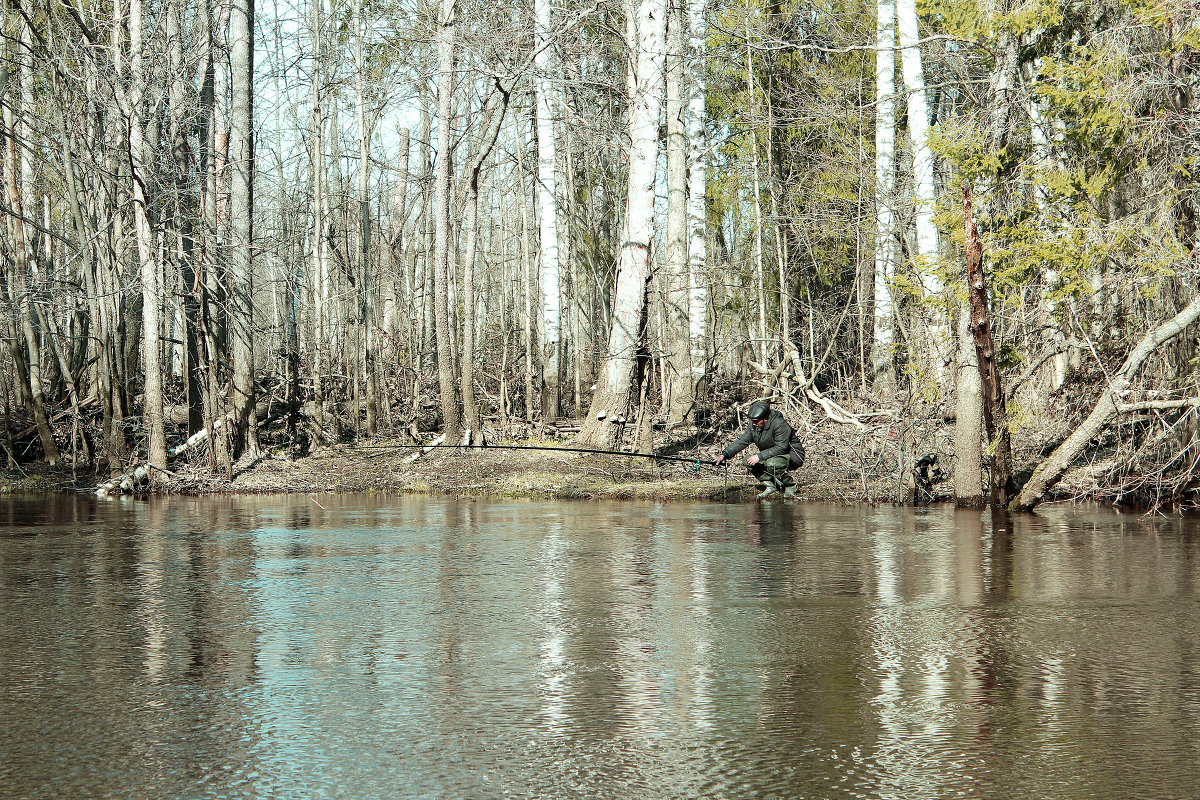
[365, 647]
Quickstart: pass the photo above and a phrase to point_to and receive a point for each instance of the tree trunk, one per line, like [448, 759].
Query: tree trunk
[399, 230]
[547, 204]
[968, 425]
[366, 279]
[938, 336]
[492, 116]
[185, 211]
[241, 209]
[526, 281]
[759, 224]
[130, 96]
[451, 417]
[697, 206]
[679, 386]
[216, 218]
[882, 357]
[995, 414]
[318, 283]
[611, 402]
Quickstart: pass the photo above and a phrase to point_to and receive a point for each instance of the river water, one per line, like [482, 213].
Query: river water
[372, 647]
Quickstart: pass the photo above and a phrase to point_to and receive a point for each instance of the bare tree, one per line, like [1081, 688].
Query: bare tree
[611, 403]
[23, 265]
[451, 416]
[697, 199]
[131, 94]
[241, 213]
[547, 204]
[882, 357]
[677, 397]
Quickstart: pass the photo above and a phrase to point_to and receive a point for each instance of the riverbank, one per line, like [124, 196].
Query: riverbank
[845, 464]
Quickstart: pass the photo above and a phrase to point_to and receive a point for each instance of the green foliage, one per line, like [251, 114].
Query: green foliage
[792, 104]
[960, 19]
[1079, 91]
[1058, 214]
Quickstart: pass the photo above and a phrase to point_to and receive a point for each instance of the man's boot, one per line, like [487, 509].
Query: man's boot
[768, 490]
[791, 492]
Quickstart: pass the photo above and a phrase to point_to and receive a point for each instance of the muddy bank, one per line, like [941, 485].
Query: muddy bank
[871, 465]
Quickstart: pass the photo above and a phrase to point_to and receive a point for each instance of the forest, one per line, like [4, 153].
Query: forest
[233, 227]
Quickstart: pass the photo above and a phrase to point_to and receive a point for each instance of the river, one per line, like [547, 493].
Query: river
[405, 647]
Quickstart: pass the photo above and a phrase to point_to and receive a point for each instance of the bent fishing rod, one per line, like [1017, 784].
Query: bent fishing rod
[697, 462]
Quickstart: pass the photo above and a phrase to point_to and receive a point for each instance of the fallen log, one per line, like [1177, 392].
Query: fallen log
[1051, 470]
[424, 450]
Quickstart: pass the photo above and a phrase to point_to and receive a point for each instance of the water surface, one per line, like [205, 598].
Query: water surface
[369, 647]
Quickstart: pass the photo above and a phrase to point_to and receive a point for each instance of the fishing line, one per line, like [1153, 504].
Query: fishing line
[696, 462]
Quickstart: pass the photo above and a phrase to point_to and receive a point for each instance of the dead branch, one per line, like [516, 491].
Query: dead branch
[1051, 470]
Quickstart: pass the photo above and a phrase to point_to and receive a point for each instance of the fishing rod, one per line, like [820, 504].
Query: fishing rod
[697, 462]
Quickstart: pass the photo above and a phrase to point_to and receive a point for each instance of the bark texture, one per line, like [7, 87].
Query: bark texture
[995, 415]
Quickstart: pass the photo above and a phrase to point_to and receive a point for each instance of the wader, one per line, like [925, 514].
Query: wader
[773, 476]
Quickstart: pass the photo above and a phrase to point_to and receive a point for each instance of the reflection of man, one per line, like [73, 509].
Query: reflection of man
[779, 450]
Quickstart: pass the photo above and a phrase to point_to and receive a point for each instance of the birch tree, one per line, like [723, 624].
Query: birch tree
[697, 207]
[676, 335]
[451, 418]
[924, 197]
[611, 403]
[882, 357]
[131, 94]
[547, 205]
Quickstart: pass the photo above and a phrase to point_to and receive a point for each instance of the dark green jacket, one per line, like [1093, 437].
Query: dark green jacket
[775, 439]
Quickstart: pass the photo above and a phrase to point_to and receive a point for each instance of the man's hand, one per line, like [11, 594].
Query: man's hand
[719, 460]
[752, 460]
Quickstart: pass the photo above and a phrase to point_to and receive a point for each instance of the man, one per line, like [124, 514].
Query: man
[779, 450]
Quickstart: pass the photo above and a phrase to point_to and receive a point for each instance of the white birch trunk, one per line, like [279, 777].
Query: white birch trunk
[884, 374]
[441, 215]
[924, 197]
[697, 189]
[131, 101]
[547, 204]
[1054, 335]
[319, 269]
[676, 383]
[614, 385]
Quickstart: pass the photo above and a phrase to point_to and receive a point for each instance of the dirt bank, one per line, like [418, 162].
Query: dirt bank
[845, 464]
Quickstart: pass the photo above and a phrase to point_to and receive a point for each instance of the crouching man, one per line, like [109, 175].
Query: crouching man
[779, 450]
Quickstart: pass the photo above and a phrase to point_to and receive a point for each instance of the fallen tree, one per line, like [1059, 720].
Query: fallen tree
[1051, 470]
